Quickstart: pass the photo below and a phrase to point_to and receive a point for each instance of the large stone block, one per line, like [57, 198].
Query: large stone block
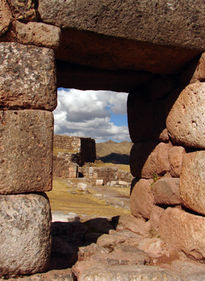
[25, 222]
[139, 21]
[184, 231]
[27, 77]
[186, 120]
[142, 199]
[157, 23]
[192, 181]
[149, 159]
[26, 138]
[5, 16]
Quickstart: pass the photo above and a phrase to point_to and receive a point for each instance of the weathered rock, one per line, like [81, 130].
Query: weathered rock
[54, 275]
[25, 234]
[156, 24]
[27, 77]
[155, 217]
[143, 115]
[174, 16]
[192, 181]
[23, 9]
[199, 73]
[154, 247]
[166, 191]
[37, 33]
[175, 155]
[25, 151]
[164, 137]
[149, 159]
[127, 273]
[186, 120]
[142, 199]
[136, 225]
[184, 231]
[5, 16]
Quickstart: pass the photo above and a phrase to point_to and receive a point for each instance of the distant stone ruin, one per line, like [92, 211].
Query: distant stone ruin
[70, 153]
[152, 49]
[74, 157]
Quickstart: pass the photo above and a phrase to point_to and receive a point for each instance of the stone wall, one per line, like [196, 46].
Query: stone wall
[81, 150]
[106, 175]
[27, 97]
[142, 47]
[71, 152]
[168, 162]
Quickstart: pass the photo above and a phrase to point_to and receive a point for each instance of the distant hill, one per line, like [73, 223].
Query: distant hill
[114, 152]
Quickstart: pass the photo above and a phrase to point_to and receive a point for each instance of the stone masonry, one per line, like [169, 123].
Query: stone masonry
[70, 153]
[27, 95]
[152, 49]
[169, 163]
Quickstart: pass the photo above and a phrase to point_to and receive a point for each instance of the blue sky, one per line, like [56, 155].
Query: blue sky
[98, 114]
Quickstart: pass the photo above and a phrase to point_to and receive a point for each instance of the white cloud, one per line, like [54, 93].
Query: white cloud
[87, 113]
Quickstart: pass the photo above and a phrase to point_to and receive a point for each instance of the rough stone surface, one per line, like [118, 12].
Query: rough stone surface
[166, 191]
[186, 120]
[25, 151]
[184, 231]
[136, 225]
[199, 73]
[23, 9]
[128, 273]
[54, 275]
[175, 155]
[149, 159]
[164, 137]
[155, 217]
[5, 17]
[81, 150]
[25, 234]
[154, 247]
[27, 77]
[192, 181]
[37, 33]
[157, 23]
[141, 199]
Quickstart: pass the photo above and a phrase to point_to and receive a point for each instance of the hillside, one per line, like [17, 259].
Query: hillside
[114, 152]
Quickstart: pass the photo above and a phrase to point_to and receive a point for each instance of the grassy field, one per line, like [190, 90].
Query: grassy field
[64, 198]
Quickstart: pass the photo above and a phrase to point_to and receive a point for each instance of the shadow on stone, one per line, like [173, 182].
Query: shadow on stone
[116, 158]
[67, 237]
